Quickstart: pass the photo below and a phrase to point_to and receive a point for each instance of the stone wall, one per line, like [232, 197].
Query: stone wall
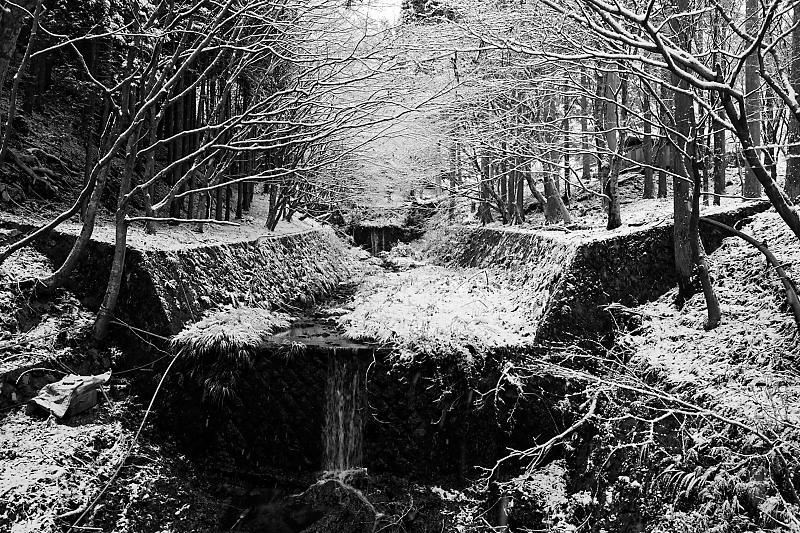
[165, 289]
[566, 280]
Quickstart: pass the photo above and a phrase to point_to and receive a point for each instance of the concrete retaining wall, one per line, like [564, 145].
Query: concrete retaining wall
[565, 281]
[165, 289]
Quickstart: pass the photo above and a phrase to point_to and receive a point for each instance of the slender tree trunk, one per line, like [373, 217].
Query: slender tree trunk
[720, 155]
[520, 192]
[12, 19]
[118, 264]
[555, 208]
[612, 191]
[150, 166]
[752, 82]
[12, 97]
[665, 150]
[611, 182]
[684, 118]
[698, 253]
[792, 186]
[586, 174]
[484, 209]
[719, 133]
[565, 128]
[647, 146]
[599, 124]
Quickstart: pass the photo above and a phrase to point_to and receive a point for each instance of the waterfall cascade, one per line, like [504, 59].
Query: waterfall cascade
[345, 405]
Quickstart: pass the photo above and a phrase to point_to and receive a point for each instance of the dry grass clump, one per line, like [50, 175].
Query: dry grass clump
[221, 346]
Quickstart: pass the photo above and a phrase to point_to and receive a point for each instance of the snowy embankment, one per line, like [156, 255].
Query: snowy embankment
[479, 289]
[744, 367]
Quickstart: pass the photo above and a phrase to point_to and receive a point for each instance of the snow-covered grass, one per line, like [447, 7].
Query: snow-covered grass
[230, 331]
[438, 311]
[222, 345]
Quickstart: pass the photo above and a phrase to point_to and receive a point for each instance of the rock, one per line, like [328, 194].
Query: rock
[326, 507]
[337, 506]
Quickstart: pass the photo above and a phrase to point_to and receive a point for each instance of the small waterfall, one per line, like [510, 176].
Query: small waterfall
[345, 402]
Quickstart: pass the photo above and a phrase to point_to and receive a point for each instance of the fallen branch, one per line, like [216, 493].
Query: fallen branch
[182, 220]
[788, 284]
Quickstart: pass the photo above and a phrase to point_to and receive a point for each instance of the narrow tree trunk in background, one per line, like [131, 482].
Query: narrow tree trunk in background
[12, 19]
[511, 190]
[555, 207]
[719, 133]
[118, 263]
[665, 150]
[504, 194]
[239, 189]
[150, 166]
[228, 194]
[565, 128]
[612, 191]
[647, 146]
[706, 154]
[599, 113]
[792, 185]
[484, 209]
[179, 127]
[90, 113]
[752, 82]
[191, 123]
[611, 119]
[610, 123]
[520, 191]
[698, 253]
[684, 118]
[586, 174]
[719, 161]
[770, 134]
[12, 97]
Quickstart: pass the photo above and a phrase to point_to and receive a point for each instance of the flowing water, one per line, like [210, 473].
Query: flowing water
[345, 389]
[345, 403]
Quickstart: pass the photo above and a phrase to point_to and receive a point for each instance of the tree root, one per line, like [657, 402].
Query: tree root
[31, 173]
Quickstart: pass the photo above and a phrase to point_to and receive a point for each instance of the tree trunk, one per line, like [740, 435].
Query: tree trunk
[647, 146]
[684, 118]
[12, 97]
[565, 128]
[779, 201]
[485, 209]
[665, 150]
[698, 253]
[719, 161]
[752, 82]
[118, 264]
[586, 173]
[599, 113]
[612, 191]
[11, 20]
[792, 185]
